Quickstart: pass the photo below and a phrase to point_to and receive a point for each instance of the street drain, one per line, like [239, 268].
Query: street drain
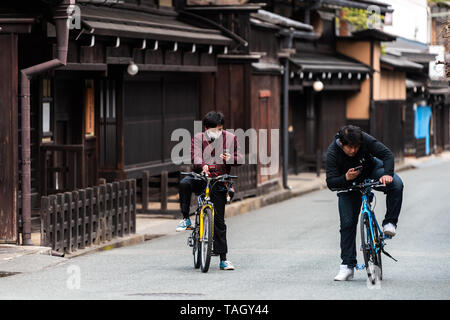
[7, 274]
[149, 294]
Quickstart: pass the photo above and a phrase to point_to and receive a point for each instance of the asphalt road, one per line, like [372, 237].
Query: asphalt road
[289, 250]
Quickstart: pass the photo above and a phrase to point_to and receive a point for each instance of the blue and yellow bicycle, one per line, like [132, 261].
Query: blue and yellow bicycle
[202, 237]
[372, 237]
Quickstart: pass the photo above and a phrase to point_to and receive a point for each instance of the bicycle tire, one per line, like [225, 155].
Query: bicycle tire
[196, 250]
[207, 239]
[367, 245]
[378, 255]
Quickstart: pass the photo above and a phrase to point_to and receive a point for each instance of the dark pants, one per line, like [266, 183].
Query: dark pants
[349, 209]
[218, 196]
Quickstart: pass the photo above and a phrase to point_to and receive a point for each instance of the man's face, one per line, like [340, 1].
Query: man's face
[350, 150]
[214, 133]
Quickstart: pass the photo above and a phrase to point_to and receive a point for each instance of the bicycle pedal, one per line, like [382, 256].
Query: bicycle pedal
[190, 228]
[190, 241]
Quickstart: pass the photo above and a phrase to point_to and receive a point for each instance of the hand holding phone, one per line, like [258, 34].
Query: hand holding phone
[352, 173]
[225, 155]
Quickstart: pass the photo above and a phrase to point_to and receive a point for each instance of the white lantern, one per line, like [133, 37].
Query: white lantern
[318, 86]
[132, 69]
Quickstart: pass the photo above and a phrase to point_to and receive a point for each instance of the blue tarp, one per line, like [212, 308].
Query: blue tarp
[422, 125]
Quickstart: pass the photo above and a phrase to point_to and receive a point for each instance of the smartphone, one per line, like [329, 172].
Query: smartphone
[357, 168]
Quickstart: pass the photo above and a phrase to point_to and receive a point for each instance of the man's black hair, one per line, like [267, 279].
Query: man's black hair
[213, 119]
[350, 135]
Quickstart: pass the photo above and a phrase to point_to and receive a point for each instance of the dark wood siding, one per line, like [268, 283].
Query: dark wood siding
[326, 116]
[8, 138]
[107, 115]
[154, 106]
[265, 113]
[387, 122]
[332, 117]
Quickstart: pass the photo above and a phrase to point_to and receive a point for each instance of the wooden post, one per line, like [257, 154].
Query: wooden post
[76, 218]
[133, 209]
[53, 205]
[128, 188]
[97, 215]
[318, 162]
[44, 182]
[145, 181]
[82, 195]
[102, 212]
[60, 204]
[116, 209]
[68, 218]
[164, 191]
[44, 227]
[90, 198]
[122, 208]
[109, 195]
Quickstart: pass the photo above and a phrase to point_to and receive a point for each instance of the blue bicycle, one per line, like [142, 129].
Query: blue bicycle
[372, 237]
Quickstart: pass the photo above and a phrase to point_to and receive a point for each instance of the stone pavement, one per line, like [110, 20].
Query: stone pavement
[14, 258]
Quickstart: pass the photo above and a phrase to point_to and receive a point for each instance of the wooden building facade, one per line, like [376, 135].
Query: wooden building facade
[133, 75]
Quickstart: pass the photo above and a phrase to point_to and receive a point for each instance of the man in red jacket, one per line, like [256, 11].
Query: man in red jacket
[211, 149]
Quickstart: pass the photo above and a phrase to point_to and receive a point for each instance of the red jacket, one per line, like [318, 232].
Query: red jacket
[208, 151]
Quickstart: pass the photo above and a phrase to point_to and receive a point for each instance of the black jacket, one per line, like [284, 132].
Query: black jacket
[338, 163]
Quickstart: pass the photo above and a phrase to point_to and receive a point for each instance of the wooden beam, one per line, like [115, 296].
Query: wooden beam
[177, 68]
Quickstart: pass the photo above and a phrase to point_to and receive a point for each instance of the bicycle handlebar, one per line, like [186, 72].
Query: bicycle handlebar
[361, 186]
[204, 177]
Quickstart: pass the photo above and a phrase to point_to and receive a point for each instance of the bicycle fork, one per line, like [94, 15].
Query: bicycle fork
[202, 218]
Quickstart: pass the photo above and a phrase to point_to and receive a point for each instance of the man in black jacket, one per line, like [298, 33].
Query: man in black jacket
[352, 148]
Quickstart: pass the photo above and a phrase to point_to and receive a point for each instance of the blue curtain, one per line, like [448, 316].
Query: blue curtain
[422, 125]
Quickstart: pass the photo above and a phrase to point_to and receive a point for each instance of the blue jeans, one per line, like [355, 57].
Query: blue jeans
[350, 206]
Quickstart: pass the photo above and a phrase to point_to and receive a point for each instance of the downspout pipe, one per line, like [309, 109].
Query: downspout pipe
[60, 16]
[285, 112]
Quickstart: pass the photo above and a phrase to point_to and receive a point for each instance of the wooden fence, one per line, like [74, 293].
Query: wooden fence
[246, 185]
[77, 219]
[158, 189]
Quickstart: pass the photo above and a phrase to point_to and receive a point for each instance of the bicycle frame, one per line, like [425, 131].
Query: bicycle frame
[205, 204]
[366, 210]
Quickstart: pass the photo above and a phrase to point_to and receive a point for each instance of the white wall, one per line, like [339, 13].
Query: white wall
[409, 19]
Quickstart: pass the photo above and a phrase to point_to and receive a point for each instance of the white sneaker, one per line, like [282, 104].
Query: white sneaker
[389, 230]
[183, 225]
[345, 273]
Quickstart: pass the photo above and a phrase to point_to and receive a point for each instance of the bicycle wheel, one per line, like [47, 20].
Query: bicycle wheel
[368, 252]
[207, 239]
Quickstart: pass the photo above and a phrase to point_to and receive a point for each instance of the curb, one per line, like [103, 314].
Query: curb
[251, 204]
[115, 243]
[27, 251]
